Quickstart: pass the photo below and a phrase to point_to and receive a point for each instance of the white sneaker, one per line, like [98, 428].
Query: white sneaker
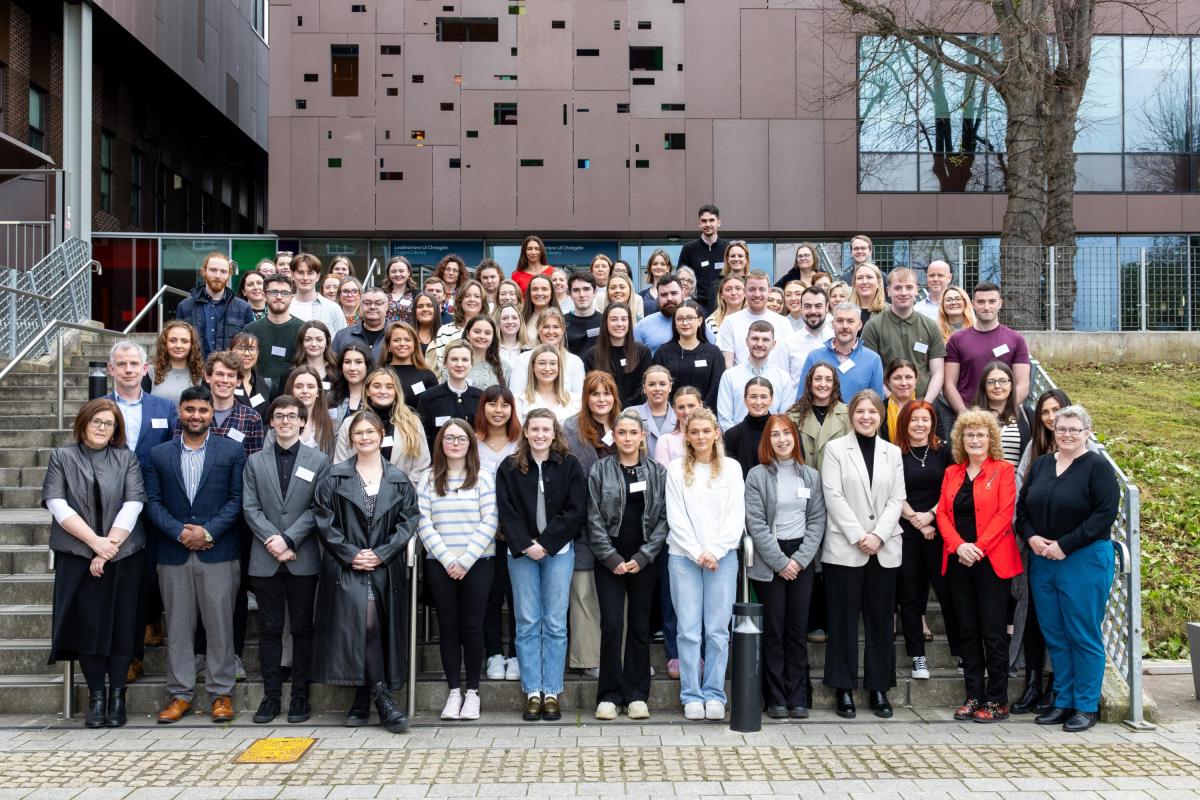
[495, 668]
[512, 669]
[606, 711]
[714, 710]
[638, 710]
[693, 711]
[920, 668]
[454, 704]
[652, 672]
[470, 705]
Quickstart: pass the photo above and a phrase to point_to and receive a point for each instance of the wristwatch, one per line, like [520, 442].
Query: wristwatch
[208, 537]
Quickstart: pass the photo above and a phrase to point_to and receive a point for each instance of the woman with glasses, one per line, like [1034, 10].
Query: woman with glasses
[93, 490]
[996, 394]
[349, 297]
[403, 444]
[804, 267]
[253, 389]
[687, 281]
[1065, 514]
[452, 271]
[457, 501]
[690, 359]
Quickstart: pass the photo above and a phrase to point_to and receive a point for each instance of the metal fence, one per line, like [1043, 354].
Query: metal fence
[1122, 627]
[57, 287]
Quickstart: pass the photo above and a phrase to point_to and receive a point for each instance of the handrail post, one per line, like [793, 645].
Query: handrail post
[61, 390]
[1052, 281]
[68, 698]
[1133, 583]
[411, 556]
[1143, 300]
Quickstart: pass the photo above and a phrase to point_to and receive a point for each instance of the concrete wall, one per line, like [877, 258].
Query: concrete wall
[1095, 347]
[769, 123]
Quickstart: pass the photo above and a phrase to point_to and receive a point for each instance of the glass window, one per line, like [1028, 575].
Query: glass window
[1098, 173]
[887, 113]
[1098, 127]
[106, 171]
[354, 249]
[1165, 284]
[1157, 173]
[37, 118]
[1156, 95]
[887, 172]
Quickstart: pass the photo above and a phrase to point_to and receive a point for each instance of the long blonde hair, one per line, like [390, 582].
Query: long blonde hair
[689, 453]
[877, 299]
[560, 389]
[723, 311]
[968, 314]
[405, 422]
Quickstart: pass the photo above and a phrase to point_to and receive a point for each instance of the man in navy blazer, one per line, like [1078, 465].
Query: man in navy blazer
[194, 500]
[149, 421]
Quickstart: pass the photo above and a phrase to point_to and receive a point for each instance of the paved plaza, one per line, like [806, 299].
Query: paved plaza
[916, 757]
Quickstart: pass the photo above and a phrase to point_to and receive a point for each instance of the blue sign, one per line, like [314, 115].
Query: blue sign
[429, 253]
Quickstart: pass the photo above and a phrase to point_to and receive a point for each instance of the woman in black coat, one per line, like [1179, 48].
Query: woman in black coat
[366, 512]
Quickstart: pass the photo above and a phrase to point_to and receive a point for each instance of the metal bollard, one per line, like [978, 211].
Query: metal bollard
[97, 379]
[745, 714]
[410, 558]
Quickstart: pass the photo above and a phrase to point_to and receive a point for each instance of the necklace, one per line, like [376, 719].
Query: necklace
[919, 459]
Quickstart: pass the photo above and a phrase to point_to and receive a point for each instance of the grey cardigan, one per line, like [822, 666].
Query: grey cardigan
[69, 477]
[761, 505]
[606, 507]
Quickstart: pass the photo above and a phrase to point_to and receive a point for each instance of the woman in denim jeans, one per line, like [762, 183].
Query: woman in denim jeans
[541, 492]
[706, 507]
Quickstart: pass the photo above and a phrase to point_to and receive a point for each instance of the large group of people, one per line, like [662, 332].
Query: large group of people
[592, 458]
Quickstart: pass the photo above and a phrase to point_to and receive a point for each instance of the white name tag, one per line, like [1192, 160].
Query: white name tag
[803, 492]
[236, 435]
[387, 442]
[719, 265]
[304, 474]
[276, 350]
[704, 263]
[701, 362]
[418, 387]
[440, 421]
[846, 366]
[637, 486]
[325, 385]
[999, 351]
[239, 392]
[257, 400]
[592, 333]
[333, 413]
[607, 438]
[622, 362]
[920, 347]
[158, 422]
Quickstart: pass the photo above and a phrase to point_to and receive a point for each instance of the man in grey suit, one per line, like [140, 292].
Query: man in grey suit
[285, 556]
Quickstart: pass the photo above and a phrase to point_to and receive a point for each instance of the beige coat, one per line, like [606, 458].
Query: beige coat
[857, 506]
[815, 435]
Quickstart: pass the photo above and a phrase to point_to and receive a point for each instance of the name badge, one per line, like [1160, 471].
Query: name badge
[1000, 350]
[325, 385]
[305, 474]
[257, 400]
[239, 392]
[276, 350]
[637, 486]
[920, 347]
[701, 362]
[592, 333]
[622, 362]
[607, 438]
[236, 435]
[846, 366]
[333, 413]
[387, 442]
[704, 263]
[440, 421]
[719, 265]
[803, 492]
[158, 422]
[418, 387]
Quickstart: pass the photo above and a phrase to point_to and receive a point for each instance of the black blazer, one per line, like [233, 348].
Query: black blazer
[565, 487]
[443, 403]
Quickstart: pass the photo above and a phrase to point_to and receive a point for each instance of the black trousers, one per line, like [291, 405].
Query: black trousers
[460, 606]
[624, 680]
[816, 607]
[921, 568]
[150, 602]
[869, 591]
[785, 634]
[493, 617]
[296, 594]
[1032, 640]
[981, 600]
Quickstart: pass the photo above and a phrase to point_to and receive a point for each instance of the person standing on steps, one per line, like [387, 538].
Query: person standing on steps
[213, 309]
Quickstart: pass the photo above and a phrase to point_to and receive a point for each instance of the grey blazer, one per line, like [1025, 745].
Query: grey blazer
[267, 513]
[69, 477]
[761, 505]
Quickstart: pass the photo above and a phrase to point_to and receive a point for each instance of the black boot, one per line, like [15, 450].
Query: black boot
[95, 713]
[115, 718]
[1033, 693]
[360, 710]
[1045, 703]
[391, 717]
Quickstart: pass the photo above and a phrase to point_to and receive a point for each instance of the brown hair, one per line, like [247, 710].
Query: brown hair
[589, 430]
[89, 411]
[225, 358]
[306, 259]
[558, 447]
[463, 274]
[301, 358]
[490, 395]
[386, 283]
[319, 415]
[766, 454]
[385, 354]
[602, 355]
[460, 314]
[901, 436]
[162, 361]
[804, 404]
[657, 253]
[441, 468]
[522, 262]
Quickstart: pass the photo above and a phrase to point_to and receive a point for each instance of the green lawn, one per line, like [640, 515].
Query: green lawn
[1148, 416]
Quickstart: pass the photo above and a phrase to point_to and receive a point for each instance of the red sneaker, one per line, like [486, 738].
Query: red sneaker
[991, 712]
[967, 710]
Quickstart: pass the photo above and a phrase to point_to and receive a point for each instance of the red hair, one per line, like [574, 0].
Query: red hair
[766, 454]
[901, 435]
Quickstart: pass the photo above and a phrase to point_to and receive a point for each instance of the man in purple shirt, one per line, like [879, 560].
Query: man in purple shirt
[970, 350]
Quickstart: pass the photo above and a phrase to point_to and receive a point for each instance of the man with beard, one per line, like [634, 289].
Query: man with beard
[213, 309]
[655, 330]
[368, 331]
[276, 332]
[794, 349]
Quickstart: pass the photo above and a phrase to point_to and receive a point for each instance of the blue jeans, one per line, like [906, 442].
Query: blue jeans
[703, 606]
[541, 593]
[1071, 596]
[668, 608]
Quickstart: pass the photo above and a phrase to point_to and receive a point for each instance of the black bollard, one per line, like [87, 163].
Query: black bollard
[745, 714]
[97, 379]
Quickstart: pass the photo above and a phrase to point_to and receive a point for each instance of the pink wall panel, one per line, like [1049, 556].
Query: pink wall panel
[711, 85]
[489, 164]
[771, 54]
[740, 172]
[405, 205]
[698, 167]
[338, 15]
[594, 31]
[545, 54]
[447, 188]
[810, 65]
[959, 212]
[796, 152]
[436, 63]
[601, 192]
[346, 197]
[656, 191]
[304, 188]
[279, 173]
[910, 213]
[544, 192]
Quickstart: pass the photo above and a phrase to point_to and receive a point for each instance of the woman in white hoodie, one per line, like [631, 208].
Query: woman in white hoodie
[706, 506]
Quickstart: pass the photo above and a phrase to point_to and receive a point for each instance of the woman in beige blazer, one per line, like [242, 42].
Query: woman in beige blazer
[863, 480]
[818, 413]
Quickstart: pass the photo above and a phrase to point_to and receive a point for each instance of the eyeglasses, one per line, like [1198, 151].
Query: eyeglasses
[998, 382]
[687, 318]
[455, 439]
[374, 303]
[278, 293]
[367, 434]
[103, 424]
[686, 282]
[350, 291]
[246, 348]
[285, 417]
[1070, 431]
[976, 435]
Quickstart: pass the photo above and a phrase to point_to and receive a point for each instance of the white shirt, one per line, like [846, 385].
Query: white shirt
[928, 308]
[562, 412]
[789, 354]
[708, 515]
[319, 308]
[573, 377]
[731, 406]
[732, 336]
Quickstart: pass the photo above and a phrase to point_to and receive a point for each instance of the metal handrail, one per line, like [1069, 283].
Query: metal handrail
[155, 301]
[67, 284]
[410, 559]
[369, 278]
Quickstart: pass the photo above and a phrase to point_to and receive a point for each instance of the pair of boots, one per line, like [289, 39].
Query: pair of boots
[391, 718]
[105, 715]
[1038, 695]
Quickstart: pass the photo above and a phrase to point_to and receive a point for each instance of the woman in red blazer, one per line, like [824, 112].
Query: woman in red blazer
[980, 558]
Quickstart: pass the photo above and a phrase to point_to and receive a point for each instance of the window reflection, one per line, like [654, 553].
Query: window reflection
[1157, 173]
[1156, 92]
[1099, 123]
[887, 172]
[1098, 173]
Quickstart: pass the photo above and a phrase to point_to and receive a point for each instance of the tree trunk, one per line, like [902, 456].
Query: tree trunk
[1059, 233]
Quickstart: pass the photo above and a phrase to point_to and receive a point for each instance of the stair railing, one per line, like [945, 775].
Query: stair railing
[155, 302]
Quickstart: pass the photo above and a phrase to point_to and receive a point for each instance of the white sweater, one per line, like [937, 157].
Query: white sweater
[708, 515]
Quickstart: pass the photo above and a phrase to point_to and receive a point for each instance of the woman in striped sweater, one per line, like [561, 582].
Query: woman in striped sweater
[457, 501]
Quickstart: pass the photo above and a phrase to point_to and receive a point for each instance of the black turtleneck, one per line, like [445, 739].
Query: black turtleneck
[385, 414]
[741, 441]
[819, 412]
[866, 445]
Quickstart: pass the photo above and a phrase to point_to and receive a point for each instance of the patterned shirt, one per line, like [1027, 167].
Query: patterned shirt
[192, 464]
[243, 425]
